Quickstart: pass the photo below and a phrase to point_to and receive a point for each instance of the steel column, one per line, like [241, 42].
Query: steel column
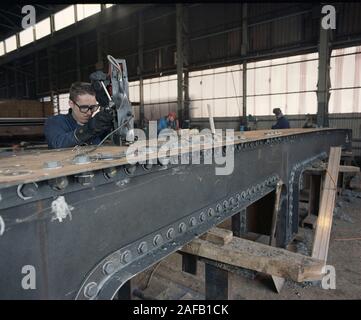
[324, 82]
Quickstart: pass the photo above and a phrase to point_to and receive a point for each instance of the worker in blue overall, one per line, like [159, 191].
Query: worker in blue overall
[168, 122]
[78, 126]
[282, 122]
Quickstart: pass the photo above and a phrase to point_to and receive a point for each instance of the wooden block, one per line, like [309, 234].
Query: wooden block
[259, 257]
[278, 283]
[324, 221]
[218, 236]
[310, 220]
[349, 169]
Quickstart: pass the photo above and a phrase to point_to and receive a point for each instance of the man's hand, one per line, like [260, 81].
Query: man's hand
[102, 121]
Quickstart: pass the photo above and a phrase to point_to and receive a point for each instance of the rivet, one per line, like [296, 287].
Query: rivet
[202, 217]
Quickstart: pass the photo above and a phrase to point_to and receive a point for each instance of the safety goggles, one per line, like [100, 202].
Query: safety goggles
[86, 108]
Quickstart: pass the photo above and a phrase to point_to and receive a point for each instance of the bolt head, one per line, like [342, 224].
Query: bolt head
[29, 189]
[182, 227]
[219, 208]
[225, 204]
[59, 183]
[157, 240]
[108, 267]
[130, 169]
[90, 290]
[143, 247]
[126, 256]
[170, 233]
[202, 217]
[110, 172]
[192, 222]
[211, 212]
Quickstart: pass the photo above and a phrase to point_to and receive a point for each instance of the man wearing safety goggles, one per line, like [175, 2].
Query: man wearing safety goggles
[79, 126]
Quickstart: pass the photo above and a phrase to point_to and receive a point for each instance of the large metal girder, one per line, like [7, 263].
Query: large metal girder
[120, 225]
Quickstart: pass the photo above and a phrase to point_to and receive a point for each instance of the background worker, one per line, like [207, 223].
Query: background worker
[282, 122]
[168, 122]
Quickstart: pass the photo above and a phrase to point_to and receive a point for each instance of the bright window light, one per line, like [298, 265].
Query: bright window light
[42, 28]
[86, 10]
[109, 5]
[10, 43]
[64, 18]
[26, 36]
[2, 49]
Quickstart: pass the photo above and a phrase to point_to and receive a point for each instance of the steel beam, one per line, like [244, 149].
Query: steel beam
[121, 224]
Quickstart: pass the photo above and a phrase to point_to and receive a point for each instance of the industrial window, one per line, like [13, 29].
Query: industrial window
[345, 80]
[289, 83]
[26, 36]
[10, 44]
[221, 88]
[160, 96]
[2, 48]
[64, 103]
[86, 10]
[42, 28]
[134, 97]
[64, 18]
[109, 5]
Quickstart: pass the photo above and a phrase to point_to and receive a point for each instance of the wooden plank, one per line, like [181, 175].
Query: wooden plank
[259, 257]
[324, 221]
[28, 167]
[218, 236]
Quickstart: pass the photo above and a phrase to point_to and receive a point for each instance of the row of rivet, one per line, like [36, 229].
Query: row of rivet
[110, 266]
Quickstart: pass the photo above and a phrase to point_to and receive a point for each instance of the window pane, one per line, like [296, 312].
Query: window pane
[42, 28]
[64, 18]
[2, 49]
[26, 36]
[10, 44]
[86, 10]
[109, 5]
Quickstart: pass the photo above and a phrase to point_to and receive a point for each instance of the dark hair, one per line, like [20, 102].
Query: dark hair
[79, 88]
[277, 111]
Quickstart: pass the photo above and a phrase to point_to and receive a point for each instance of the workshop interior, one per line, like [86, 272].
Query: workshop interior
[180, 151]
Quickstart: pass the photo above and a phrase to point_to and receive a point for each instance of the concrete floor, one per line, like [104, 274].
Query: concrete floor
[169, 282]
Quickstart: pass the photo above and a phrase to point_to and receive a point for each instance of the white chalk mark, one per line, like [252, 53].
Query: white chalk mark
[61, 209]
[2, 226]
